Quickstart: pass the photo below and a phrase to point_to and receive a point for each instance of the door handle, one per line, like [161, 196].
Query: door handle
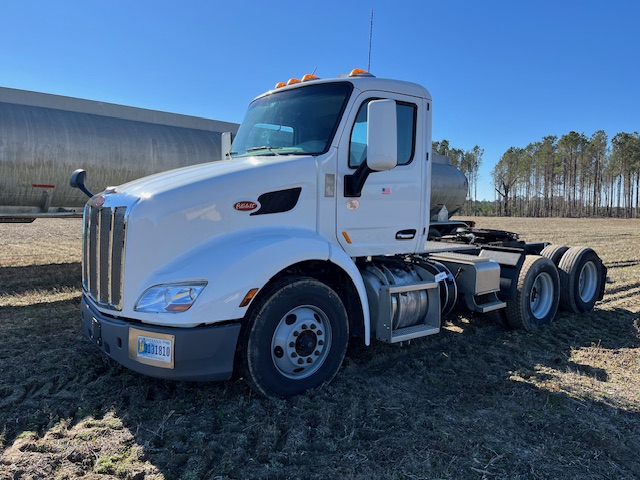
[406, 234]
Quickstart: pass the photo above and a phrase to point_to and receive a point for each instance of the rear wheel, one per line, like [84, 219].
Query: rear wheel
[537, 294]
[581, 277]
[295, 338]
[554, 253]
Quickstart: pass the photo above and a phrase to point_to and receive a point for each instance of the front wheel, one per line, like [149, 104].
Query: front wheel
[295, 338]
[537, 294]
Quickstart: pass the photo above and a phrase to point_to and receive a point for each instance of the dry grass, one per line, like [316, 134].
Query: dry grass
[476, 401]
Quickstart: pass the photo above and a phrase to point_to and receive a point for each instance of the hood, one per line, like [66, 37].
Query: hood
[172, 213]
[146, 187]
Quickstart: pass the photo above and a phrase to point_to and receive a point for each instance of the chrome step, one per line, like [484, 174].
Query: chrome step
[416, 331]
[488, 303]
[490, 306]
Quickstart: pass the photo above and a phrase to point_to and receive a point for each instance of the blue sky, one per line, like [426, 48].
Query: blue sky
[501, 73]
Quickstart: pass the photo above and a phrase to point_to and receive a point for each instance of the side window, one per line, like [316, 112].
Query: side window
[358, 144]
[406, 114]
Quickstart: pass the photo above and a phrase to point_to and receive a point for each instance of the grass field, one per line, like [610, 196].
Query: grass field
[478, 401]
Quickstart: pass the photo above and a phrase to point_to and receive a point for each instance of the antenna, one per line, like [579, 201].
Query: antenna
[370, 37]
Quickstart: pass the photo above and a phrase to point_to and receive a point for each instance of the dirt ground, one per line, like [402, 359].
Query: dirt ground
[478, 401]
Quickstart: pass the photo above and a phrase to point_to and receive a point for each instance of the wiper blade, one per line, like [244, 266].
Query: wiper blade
[271, 149]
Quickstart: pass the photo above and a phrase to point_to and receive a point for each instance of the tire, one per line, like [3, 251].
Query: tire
[554, 253]
[581, 279]
[295, 338]
[537, 294]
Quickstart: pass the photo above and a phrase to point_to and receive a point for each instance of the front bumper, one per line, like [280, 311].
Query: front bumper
[201, 353]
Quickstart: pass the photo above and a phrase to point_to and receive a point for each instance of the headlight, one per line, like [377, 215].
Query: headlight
[169, 297]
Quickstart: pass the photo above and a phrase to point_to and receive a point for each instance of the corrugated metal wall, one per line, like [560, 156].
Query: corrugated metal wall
[41, 146]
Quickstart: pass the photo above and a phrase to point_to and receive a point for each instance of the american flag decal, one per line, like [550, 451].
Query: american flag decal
[386, 191]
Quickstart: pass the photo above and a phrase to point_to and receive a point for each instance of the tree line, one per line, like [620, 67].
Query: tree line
[571, 176]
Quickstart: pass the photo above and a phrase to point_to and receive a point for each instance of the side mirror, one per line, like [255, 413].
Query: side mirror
[77, 180]
[382, 135]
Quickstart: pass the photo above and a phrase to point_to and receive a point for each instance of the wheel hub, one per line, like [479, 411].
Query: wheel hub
[587, 282]
[306, 343]
[541, 297]
[301, 342]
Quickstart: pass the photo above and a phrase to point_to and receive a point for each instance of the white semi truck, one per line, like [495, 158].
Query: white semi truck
[319, 226]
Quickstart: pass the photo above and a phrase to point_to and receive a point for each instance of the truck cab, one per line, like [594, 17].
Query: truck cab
[363, 213]
[314, 228]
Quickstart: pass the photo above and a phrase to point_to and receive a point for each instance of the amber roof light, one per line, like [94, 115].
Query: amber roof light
[358, 72]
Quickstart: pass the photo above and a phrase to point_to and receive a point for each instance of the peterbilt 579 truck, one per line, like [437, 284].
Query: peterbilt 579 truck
[317, 227]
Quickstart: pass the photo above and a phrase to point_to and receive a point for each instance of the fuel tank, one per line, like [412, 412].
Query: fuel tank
[44, 138]
[449, 186]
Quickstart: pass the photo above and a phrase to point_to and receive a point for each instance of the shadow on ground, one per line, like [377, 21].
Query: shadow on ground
[19, 280]
[476, 401]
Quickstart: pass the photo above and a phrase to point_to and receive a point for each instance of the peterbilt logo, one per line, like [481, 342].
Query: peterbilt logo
[245, 206]
[100, 201]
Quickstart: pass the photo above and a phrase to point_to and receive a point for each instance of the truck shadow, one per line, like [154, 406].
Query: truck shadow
[18, 280]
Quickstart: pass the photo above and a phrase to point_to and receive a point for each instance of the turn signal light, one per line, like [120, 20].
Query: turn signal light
[248, 297]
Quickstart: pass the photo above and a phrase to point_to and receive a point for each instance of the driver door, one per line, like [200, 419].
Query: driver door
[387, 215]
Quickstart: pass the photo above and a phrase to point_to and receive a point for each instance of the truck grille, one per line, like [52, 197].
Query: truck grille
[103, 254]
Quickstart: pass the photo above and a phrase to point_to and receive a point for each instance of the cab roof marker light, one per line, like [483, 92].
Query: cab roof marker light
[309, 76]
[358, 72]
[292, 81]
[280, 85]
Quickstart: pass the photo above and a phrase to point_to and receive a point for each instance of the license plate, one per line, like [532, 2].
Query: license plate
[151, 348]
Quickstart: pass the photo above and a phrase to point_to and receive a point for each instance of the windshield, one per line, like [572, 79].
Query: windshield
[292, 122]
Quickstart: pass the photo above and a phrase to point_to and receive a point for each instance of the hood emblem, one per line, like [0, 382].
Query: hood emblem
[245, 206]
[100, 201]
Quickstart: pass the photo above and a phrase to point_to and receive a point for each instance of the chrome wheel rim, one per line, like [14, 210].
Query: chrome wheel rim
[588, 282]
[541, 297]
[301, 342]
